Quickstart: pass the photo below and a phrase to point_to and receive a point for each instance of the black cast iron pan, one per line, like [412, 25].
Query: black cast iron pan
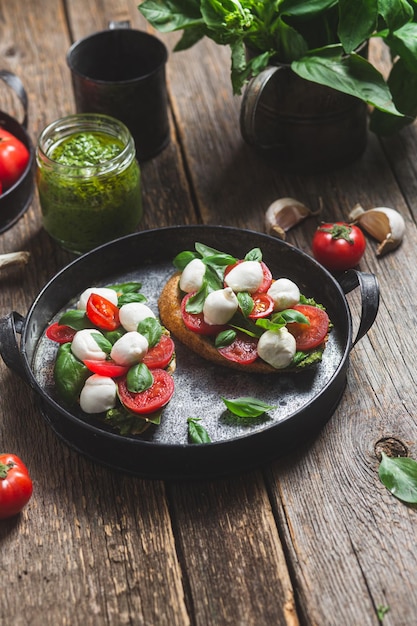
[304, 401]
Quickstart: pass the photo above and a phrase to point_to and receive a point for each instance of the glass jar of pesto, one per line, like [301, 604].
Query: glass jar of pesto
[88, 180]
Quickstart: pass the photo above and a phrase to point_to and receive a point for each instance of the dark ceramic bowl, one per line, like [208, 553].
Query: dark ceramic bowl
[16, 200]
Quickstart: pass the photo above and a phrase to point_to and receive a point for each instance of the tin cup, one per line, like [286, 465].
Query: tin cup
[121, 72]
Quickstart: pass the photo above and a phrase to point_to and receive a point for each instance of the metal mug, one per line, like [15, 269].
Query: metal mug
[121, 72]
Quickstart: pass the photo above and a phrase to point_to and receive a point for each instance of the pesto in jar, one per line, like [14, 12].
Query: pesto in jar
[89, 188]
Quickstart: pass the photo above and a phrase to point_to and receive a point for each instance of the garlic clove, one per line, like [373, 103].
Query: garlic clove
[14, 258]
[283, 214]
[386, 225]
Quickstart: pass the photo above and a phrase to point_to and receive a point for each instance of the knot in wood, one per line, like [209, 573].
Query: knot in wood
[391, 446]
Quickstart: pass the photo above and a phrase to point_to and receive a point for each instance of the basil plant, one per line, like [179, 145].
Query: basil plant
[324, 41]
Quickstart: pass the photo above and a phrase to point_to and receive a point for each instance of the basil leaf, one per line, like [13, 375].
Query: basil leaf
[75, 319]
[196, 432]
[213, 278]
[70, 374]
[123, 288]
[184, 258]
[151, 329]
[225, 338]
[381, 611]
[399, 475]
[127, 423]
[102, 342]
[113, 335]
[219, 259]
[139, 378]
[130, 297]
[291, 315]
[196, 302]
[246, 303]
[254, 255]
[204, 250]
[268, 324]
[247, 406]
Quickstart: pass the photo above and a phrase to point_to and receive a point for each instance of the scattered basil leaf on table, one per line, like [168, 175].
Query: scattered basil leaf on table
[247, 406]
[196, 432]
[381, 611]
[399, 475]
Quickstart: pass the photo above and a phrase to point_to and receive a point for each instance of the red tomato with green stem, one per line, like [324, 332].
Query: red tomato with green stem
[338, 246]
[14, 157]
[15, 485]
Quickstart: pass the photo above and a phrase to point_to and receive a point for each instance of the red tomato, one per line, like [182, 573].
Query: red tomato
[150, 400]
[160, 355]
[338, 246]
[309, 336]
[195, 321]
[15, 485]
[102, 312]
[242, 350]
[263, 306]
[60, 333]
[267, 279]
[106, 368]
[14, 156]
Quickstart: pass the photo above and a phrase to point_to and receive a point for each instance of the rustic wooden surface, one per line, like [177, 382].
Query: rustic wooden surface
[314, 539]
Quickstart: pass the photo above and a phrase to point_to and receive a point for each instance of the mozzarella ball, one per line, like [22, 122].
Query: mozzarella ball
[131, 314]
[284, 293]
[277, 347]
[98, 394]
[84, 346]
[246, 276]
[220, 306]
[129, 349]
[192, 276]
[104, 292]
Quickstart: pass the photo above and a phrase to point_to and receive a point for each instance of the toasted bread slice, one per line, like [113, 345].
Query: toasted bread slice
[170, 314]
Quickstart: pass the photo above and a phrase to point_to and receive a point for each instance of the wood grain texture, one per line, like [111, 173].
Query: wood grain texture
[314, 539]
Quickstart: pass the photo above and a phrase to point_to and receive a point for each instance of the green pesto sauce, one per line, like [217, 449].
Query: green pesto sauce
[86, 149]
[82, 212]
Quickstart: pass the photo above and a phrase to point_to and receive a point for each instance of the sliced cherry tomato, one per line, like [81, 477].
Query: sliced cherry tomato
[60, 333]
[263, 306]
[160, 355]
[242, 350]
[102, 312]
[150, 400]
[338, 246]
[15, 485]
[106, 368]
[308, 336]
[195, 321]
[267, 275]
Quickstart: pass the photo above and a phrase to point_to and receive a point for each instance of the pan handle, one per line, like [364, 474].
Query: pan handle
[369, 287]
[9, 346]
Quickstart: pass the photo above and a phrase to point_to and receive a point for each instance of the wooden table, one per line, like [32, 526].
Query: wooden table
[313, 539]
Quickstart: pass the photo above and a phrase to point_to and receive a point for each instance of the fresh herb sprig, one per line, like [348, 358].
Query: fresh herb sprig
[319, 40]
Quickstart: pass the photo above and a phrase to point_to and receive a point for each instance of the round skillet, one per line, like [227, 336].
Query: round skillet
[303, 401]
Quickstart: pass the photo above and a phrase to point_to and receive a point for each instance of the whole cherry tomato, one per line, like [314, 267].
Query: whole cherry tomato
[14, 157]
[15, 485]
[338, 246]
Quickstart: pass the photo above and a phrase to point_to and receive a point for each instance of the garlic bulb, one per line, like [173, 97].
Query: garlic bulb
[283, 214]
[14, 258]
[384, 224]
